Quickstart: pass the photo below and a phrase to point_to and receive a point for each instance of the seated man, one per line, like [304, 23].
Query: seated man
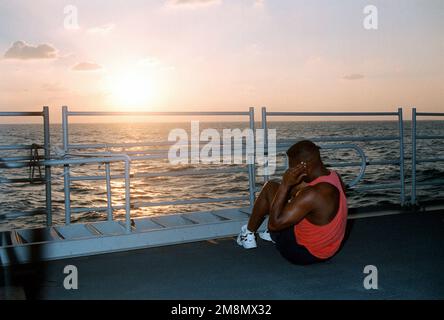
[307, 210]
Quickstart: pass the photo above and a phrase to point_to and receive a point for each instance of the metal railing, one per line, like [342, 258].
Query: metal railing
[21, 161]
[415, 160]
[91, 155]
[143, 155]
[107, 160]
[283, 145]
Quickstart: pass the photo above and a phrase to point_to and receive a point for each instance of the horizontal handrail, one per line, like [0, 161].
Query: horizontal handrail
[128, 145]
[155, 113]
[352, 164]
[429, 160]
[144, 204]
[163, 174]
[20, 147]
[346, 138]
[333, 114]
[21, 180]
[21, 158]
[432, 137]
[433, 114]
[120, 145]
[433, 182]
[222, 171]
[58, 162]
[381, 186]
[22, 113]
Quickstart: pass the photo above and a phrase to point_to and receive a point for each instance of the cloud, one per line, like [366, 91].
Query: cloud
[192, 2]
[86, 66]
[22, 51]
[353, 76]
[103, 29]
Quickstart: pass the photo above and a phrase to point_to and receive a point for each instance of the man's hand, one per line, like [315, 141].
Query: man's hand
[284, 213]
[294, 176]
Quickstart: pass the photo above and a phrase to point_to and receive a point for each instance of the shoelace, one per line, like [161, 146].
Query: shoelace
[244, 237]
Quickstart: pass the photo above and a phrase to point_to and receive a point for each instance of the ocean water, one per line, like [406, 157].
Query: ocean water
[22, 204]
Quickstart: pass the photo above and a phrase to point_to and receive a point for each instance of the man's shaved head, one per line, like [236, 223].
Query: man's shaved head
[304, 150]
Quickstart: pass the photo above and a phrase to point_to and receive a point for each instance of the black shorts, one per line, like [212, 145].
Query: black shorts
[288, 247]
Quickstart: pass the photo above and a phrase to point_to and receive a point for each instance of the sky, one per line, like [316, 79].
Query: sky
[188, 55]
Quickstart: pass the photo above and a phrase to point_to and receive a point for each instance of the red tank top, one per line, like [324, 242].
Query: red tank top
[324, 241]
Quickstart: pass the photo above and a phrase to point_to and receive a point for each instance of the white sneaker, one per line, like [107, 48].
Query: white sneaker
[246, 238]
[266, 236]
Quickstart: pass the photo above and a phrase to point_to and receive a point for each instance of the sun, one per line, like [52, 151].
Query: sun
[131, 90]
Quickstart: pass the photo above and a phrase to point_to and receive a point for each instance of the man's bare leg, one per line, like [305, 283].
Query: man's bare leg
[262, 205]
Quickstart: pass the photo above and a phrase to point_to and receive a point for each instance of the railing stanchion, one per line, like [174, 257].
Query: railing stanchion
[127, 196]
[47, 146]
[108, 191]
[66, 178]
[251, 164]
[401, 155]
[265, 128]
[413, 196]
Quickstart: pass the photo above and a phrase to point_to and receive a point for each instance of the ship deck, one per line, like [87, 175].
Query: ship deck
[407, 249]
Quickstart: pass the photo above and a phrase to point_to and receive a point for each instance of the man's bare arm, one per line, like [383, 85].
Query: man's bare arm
[284, 214]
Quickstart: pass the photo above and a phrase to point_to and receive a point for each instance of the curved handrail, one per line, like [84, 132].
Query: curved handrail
[360, 152]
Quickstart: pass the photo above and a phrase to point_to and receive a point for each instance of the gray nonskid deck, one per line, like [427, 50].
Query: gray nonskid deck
[407, 250]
